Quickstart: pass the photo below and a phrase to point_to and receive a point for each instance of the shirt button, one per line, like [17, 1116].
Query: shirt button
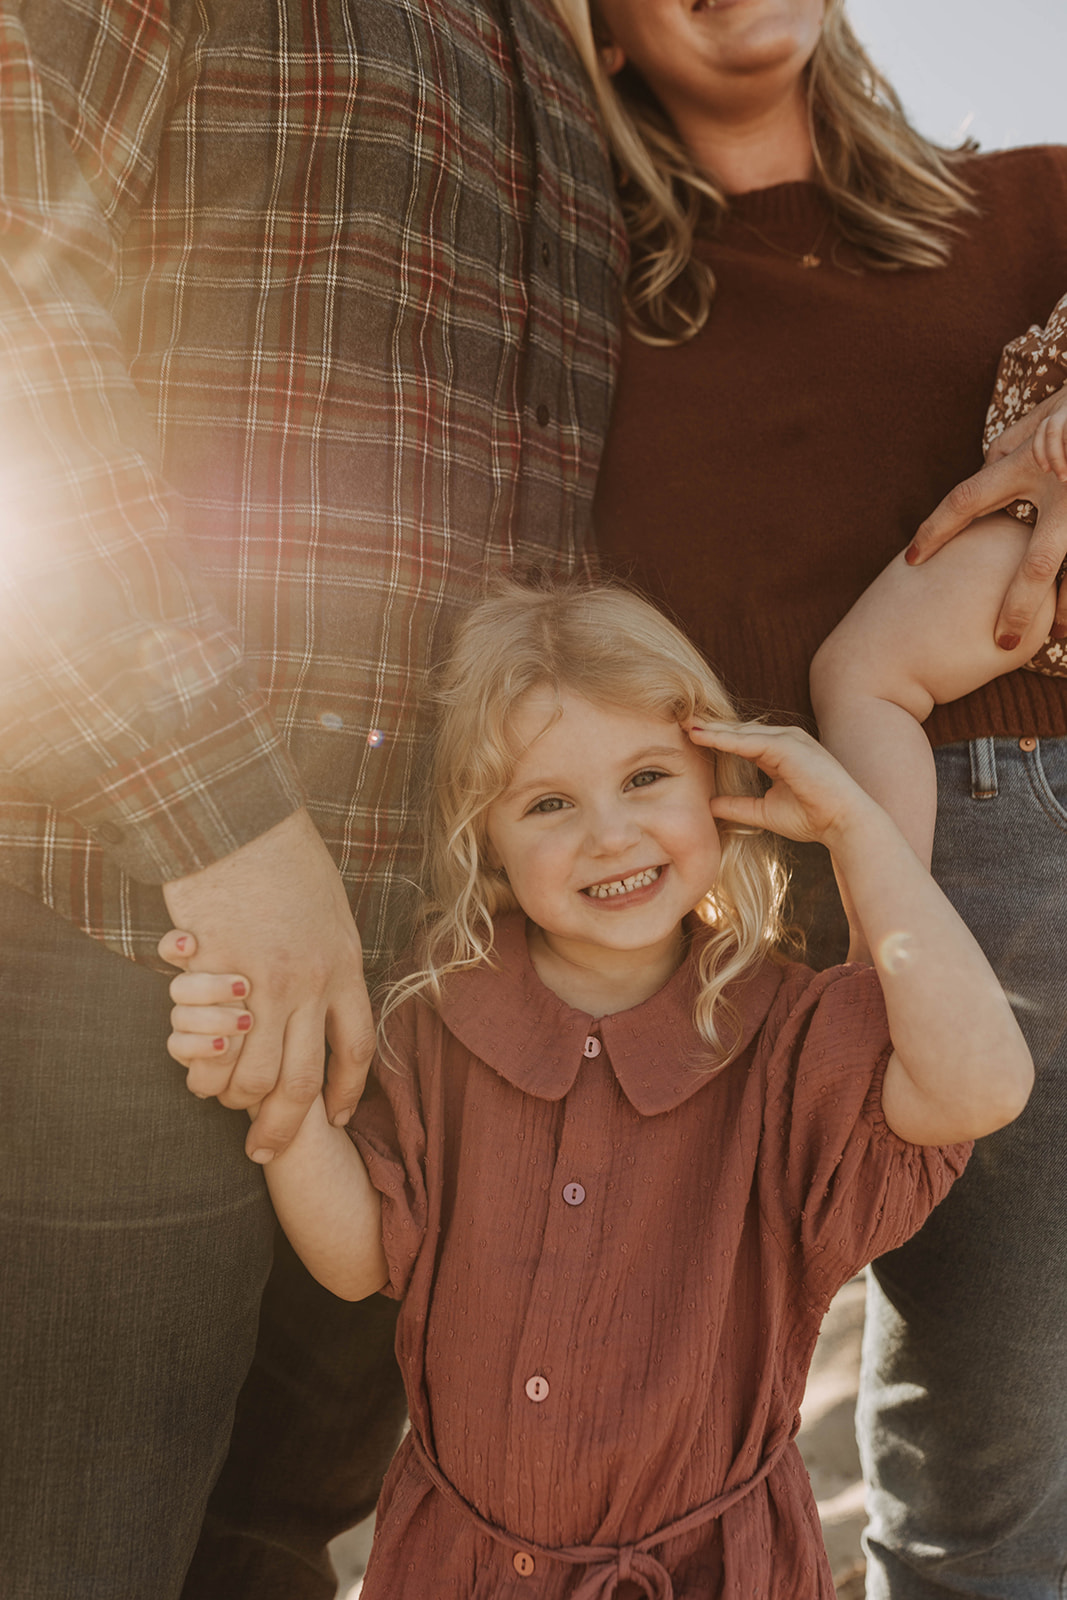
[592, 1046]
[543, 416]
[1028, 744]
[574, 1194]
[546, 255]
[523, 1562]
[537, 1389]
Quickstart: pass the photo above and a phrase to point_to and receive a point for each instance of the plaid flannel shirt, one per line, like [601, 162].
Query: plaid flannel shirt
[308, 317]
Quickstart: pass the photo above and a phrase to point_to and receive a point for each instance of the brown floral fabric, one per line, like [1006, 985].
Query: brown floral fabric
[1031, 368]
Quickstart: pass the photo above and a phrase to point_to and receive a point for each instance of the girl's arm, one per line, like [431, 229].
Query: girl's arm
[330, 1210]
[960, 1067]
[918, 637]
[318, 1184]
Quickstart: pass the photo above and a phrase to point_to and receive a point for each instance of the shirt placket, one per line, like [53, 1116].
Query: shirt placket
[557, 1379]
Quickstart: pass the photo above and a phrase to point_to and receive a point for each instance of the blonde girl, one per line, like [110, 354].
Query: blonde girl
[616, 1157]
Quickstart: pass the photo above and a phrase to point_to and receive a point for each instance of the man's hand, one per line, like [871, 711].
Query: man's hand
[1020, 475]
[276, 910]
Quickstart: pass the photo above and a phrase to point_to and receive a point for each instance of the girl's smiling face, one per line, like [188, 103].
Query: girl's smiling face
[605, 831]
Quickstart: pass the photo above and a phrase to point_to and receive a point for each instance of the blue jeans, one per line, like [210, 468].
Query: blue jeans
[135, 1243]
[963, 1397]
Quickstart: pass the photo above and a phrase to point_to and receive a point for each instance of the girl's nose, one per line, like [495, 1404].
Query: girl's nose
[611, 829]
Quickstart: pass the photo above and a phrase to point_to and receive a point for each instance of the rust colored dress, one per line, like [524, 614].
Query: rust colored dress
[613, 1269]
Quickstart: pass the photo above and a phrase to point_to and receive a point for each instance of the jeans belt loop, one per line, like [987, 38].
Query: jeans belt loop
[983, 769]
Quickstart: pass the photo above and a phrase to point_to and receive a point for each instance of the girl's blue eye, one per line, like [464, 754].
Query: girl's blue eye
[641, 780]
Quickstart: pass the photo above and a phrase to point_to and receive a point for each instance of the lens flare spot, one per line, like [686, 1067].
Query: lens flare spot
[375, 738]
[330, 719]
[897, 951]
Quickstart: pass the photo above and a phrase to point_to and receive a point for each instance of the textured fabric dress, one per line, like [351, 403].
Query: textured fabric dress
[613, 1267]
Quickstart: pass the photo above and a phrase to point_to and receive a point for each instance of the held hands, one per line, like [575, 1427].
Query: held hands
[811, 796]
[273, 916]
[1027, 462]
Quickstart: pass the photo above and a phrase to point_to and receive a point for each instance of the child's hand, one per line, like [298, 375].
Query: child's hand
[1046, 429]
[811, 796]
[209, 1022]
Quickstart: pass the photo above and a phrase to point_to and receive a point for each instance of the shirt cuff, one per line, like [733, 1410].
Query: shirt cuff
[225, 779]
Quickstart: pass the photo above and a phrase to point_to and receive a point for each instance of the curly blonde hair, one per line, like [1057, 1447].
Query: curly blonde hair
[895, 196]
[612, 647]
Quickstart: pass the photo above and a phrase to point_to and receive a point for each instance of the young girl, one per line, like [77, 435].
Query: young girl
[615, 1157]
[924, 636]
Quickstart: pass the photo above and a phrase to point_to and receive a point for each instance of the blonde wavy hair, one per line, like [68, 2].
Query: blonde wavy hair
[614, 648]
[894, 195]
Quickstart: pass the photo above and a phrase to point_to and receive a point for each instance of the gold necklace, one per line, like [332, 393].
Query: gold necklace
[808, 259]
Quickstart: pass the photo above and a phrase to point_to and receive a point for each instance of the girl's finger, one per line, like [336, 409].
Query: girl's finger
[225, 1021]
[177, 946]
[209, 989]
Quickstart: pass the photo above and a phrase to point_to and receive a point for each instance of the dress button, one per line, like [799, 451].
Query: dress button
[543, 415]
[592, 1046]
[546, 255]
[523, 1562]
[1027, 744]
[574, 1194]
[537, 1389]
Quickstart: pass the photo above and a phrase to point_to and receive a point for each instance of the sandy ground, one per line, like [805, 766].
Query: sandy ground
[826, 1440]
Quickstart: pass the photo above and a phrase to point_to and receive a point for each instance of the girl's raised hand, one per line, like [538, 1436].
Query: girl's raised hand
[811, 796]
[210, 1019]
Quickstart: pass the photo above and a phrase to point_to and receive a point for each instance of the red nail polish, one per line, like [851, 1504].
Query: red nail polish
[240, 989]
[218, 1044]
[1008, 641]
[911, 554]
[181, 943]
[245, 1022]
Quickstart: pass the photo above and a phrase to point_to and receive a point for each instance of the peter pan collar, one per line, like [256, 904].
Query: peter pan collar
[506, 1017]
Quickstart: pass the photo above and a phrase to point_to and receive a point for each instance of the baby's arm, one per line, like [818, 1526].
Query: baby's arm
[960, 1067]
[318, 1184]
[918, 637]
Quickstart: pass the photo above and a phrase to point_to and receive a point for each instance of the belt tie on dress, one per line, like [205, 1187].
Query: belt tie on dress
[609, 1565]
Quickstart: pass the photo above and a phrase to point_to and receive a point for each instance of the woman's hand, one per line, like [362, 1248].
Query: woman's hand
[811, 796]
[1035, 470]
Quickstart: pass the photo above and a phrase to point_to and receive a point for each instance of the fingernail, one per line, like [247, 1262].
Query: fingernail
[181, 943]
[240, 988]
[1008, 641]
[198, 1095]
[341, 1119]
[244, 1022]
[261, 1157]
[218, 1044]
[911, 554]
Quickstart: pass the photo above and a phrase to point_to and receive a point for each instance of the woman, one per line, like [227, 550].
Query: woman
[817, 306]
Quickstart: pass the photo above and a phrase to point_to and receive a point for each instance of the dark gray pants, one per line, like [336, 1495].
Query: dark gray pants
[135, 1244]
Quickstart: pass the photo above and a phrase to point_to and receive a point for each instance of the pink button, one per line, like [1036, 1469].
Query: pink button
[537, 1389]
[523, 1562]
[574, 1194]
[592, 1046]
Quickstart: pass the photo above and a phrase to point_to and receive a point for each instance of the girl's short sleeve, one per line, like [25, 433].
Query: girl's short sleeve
[387, 1130]
[837, 1184]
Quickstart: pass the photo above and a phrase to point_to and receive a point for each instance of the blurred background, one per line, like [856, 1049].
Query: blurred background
[994, 72]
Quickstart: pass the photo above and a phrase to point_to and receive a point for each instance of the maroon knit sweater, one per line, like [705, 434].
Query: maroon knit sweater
[757, 478]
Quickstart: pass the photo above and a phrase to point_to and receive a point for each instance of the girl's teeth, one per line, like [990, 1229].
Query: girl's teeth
[604, 891]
